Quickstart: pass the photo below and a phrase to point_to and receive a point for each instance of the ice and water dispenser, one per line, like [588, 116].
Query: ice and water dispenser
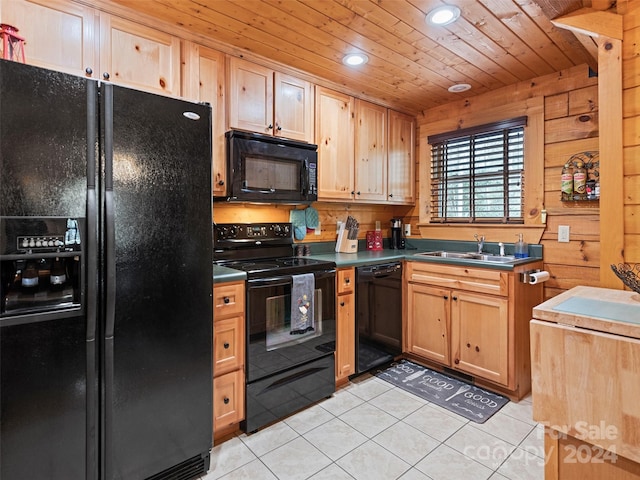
[40, 264]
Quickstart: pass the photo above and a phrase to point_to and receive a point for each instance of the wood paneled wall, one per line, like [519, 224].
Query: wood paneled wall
[631, 132]
[570, 126]
[329, 214]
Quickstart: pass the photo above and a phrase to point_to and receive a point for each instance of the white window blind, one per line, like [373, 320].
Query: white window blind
[477, 174]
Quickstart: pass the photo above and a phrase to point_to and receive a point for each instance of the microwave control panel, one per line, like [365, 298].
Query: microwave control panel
[313, 178]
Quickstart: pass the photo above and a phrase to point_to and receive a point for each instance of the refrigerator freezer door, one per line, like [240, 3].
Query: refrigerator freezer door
[44, 358]
[158, 339]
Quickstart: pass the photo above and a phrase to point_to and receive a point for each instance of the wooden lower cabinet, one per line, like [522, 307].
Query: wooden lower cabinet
[228, 357]
[474, 320]
[345, 325]
[428, 335]
[480, 335]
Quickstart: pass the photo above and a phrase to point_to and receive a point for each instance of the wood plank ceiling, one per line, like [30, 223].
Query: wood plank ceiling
[411, 64]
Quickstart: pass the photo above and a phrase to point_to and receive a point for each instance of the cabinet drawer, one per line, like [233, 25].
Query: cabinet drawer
[228, 399]
[228, 299]
[481, 280]
[228, 345]
[346, 280]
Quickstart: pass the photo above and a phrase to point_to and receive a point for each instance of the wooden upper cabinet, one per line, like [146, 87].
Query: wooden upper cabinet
[335, 138]
[139, 57]
[265, 101]
[370, 152]
[401, 157]
[293, 112]
[60, 35]
[250, 96]
[204, 81]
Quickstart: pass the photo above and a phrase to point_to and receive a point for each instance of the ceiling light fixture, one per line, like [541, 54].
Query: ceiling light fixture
[459, 87]
[355, 59]
[443, 15]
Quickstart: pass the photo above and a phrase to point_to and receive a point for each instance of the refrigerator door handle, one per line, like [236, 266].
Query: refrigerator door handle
[91, 260]
[109, 238]
[91, 266]
[110, 279]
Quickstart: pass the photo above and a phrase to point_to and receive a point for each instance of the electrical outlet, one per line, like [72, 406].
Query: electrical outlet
[318, 230]
[563, 233]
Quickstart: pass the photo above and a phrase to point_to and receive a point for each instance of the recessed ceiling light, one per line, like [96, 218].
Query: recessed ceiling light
[443, 15]
[355, 59]
[459, 87]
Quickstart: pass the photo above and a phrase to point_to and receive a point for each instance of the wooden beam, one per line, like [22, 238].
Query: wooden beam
[594, 23]
[611, 159]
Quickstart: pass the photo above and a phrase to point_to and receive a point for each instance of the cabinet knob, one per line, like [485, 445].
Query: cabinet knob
[446, 297]
[358, 193]
[352, 192]
[342, 304]
[347, 281]
[226, 400]
[106, 75]
[391, 195]
[468, 345]
[226, 300]
[477, 348]
[278, 127]
[88, 71]
[455, 298]
[226, 345]
[270, 127]
[220, 182]
[456, 361]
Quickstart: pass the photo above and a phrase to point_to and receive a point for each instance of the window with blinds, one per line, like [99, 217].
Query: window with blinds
[477, 174]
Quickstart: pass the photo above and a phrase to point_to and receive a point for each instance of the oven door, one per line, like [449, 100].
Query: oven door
[273, 343]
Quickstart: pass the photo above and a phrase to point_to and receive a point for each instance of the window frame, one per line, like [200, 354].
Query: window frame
[500, 131]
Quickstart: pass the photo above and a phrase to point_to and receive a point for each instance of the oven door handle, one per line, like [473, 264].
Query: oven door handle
[287, 279]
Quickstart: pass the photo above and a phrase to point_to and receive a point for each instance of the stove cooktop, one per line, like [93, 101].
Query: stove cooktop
[277, 266]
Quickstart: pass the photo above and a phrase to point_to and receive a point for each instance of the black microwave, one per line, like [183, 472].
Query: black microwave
[267, 169]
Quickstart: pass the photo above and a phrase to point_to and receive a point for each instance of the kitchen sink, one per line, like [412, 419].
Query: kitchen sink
[446, 254]
[483, 257]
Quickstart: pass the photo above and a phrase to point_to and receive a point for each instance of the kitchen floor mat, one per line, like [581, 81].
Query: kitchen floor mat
[467, 400]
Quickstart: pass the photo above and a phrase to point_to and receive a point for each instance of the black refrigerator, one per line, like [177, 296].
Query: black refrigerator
[106, 280]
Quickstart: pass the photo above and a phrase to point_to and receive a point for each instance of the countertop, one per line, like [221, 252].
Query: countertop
[325, 251]
[224, 274]
[594, 308]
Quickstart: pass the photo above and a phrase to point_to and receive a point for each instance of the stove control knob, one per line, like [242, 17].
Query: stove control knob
[277, 228]
[233, 232]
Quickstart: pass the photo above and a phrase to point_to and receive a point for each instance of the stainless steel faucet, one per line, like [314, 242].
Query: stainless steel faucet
[480, 241]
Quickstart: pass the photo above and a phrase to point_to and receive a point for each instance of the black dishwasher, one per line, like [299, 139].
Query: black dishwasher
[378, 314]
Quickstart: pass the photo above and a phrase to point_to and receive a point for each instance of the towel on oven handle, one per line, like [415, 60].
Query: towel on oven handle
[302, 307]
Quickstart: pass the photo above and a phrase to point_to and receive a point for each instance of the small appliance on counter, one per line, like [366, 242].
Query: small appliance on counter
[397, 235]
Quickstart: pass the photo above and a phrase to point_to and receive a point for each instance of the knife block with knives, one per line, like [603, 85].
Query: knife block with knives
[348, 236]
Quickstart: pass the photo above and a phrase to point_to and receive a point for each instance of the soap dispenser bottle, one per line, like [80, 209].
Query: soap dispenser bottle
[521, 249]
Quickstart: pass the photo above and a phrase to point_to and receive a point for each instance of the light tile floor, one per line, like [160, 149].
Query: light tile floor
[371, 430]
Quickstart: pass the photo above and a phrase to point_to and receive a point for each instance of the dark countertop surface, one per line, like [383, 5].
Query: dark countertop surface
[325, 251]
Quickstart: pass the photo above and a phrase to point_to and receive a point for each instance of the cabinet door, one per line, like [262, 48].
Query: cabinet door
[428, 322]
[370, 152]
[204, 81]
[345, 337]
[480, 335]
[401, 158]
[60, 35]
[334, 135]
[228, 345]
[293, 108]
[139, 57]
[250, 96]
[228, 399]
